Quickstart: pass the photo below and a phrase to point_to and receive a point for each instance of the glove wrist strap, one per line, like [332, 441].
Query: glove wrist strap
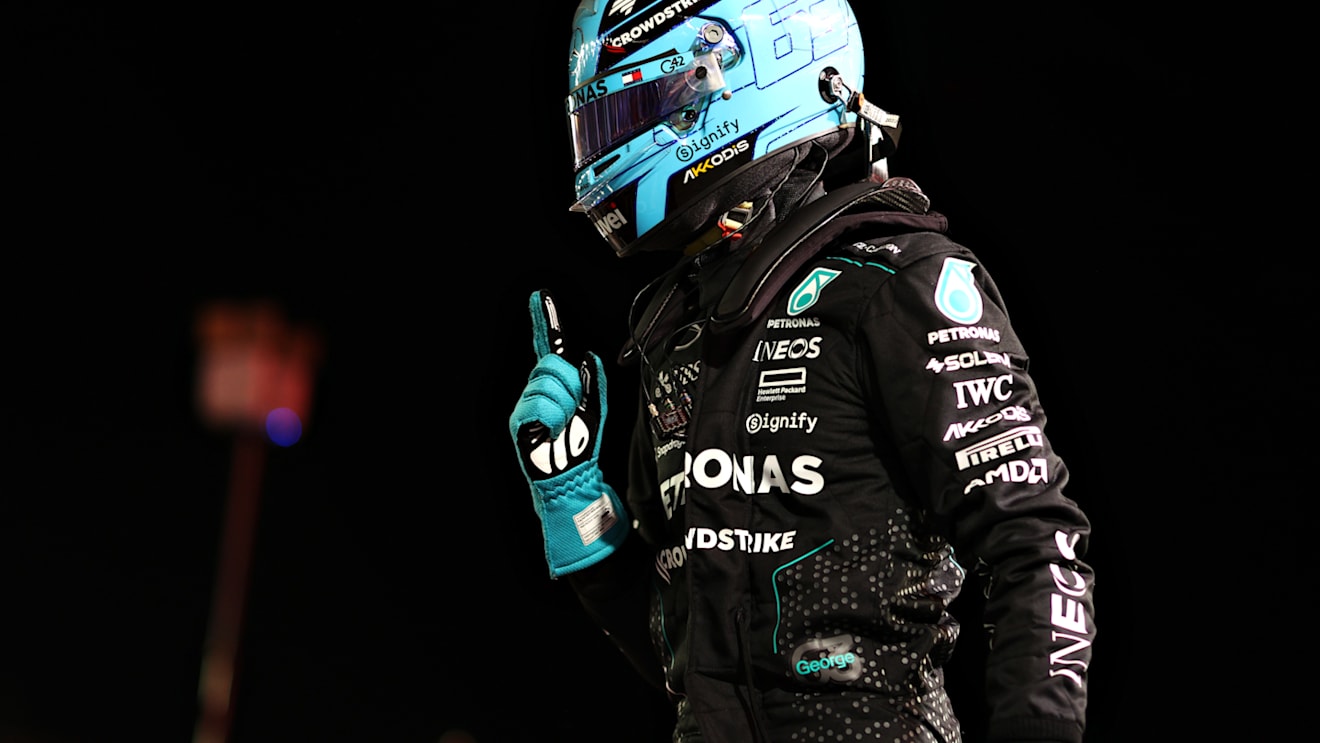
[581, 517]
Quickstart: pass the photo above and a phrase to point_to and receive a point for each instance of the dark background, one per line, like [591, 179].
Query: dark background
[398, 183]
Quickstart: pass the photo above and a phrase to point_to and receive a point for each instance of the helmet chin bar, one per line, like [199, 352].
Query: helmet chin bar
[597, 192]
[592, 196]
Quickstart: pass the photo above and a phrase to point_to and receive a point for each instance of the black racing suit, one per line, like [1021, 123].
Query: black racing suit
[840, 438]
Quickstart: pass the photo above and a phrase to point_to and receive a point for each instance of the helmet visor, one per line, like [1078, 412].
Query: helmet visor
[637, 105]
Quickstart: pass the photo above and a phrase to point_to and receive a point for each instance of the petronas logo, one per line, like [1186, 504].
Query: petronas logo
[808, 291]
[955, 292]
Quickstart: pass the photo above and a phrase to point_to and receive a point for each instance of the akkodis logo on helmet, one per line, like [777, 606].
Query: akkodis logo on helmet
[955, 292]
[808, 291]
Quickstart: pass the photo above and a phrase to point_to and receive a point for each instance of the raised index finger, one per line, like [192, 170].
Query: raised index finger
[547, 333]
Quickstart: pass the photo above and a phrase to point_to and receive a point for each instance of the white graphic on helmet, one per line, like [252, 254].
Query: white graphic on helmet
[620, 6]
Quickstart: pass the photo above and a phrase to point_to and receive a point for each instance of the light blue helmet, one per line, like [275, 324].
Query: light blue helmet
[669, 100]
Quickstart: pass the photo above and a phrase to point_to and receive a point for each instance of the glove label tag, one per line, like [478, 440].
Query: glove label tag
[596, 519]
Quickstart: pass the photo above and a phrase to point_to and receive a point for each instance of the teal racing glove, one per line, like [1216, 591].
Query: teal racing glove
[556, 427]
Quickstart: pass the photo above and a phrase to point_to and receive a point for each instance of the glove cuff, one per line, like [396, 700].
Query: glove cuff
[582, 518]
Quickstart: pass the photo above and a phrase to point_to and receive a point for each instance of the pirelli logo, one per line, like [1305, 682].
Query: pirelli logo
[1003, 445]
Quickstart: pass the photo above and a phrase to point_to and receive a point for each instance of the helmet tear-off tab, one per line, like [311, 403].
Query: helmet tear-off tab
[874, 120]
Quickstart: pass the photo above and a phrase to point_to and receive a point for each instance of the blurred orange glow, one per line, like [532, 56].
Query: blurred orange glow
[252, 362]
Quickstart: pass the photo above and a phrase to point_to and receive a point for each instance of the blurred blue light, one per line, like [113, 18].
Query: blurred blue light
[283, 426]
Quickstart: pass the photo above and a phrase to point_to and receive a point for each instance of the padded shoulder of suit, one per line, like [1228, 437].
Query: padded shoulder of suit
[898, 251]
[851, 213]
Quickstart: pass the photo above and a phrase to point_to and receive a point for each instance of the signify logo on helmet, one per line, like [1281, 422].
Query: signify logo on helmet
[686, 150]
[688, 183]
